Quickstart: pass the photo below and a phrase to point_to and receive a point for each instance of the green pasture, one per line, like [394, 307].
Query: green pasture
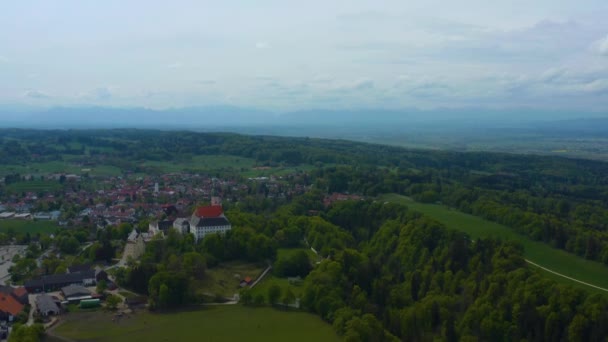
[554, 259]
[27, 226]
[209, 323]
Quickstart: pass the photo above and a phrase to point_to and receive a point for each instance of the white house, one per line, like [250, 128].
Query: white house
[204, 221]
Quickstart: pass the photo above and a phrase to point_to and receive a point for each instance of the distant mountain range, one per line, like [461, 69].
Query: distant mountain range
[258, 121]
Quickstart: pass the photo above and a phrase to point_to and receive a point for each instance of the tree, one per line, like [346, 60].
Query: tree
[163, 296]
[23, 333]
[112, 301]
[288, 297]
[258, 300]
[102, 286]
[246, 297]
[274, 293]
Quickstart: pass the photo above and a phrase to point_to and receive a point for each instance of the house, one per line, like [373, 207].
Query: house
[9, 307]
[182, 225]
[159, 227]
[208, 220]
[46, 305]
[75, 293]
[19, 293]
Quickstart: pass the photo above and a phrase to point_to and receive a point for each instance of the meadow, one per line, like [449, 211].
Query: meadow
[27, 226]
[554, 259]
[211, 323]
[223, 280]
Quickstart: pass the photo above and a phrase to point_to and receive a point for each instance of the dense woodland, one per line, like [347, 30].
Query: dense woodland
[388, 273]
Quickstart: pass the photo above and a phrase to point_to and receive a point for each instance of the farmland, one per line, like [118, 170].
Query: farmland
[557, 260]
[213, 323]
[26, 226]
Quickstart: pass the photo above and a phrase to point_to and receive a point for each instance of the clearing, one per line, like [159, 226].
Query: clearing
[213, 323]
[554, 259]
[224, 279]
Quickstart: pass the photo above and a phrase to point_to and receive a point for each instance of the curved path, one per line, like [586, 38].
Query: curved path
[565, 276]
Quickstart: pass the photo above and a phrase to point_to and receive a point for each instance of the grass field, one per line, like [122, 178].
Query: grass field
[59, 167]
[34, 186]
[26, 226]
[224, 280]
[263, 286]
[212, 323]
[204, 163]
[555, 259]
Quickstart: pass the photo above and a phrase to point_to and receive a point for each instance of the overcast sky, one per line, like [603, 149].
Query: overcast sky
[288, 55]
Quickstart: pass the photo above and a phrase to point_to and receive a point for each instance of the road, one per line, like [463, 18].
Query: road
[565, 276]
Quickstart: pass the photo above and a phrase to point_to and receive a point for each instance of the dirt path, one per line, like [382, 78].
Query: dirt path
[565, 276]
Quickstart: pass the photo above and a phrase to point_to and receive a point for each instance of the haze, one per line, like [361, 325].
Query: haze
[285, 56]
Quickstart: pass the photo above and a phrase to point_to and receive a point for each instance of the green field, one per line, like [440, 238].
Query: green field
[204, 163]
[555, 259]
[285, 252]
[263, 286]
[224, 280]
[67, 167]
[26, 226]
[211, 323]
[34, 186]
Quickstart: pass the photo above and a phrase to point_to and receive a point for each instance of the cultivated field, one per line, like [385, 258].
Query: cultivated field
[27, 226]
[212, 323]
[554, 259]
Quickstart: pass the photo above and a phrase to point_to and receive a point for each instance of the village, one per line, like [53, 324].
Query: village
[187, 203]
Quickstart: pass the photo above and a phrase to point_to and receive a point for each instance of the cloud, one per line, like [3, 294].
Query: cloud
[262, 45]
[363, 85]
[602, 46]
[97, 94]
[102, 94]
[34, 94]
[3, 59]
[207, 82]
[175, 65]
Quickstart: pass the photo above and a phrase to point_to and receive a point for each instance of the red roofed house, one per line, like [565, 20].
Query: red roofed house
[207, 220]
[9, 307]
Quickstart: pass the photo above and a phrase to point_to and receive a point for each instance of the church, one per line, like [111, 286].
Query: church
[204, 221]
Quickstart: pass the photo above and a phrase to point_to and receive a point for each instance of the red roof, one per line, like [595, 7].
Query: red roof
[10, 305]
[20, 291]
[209, 211]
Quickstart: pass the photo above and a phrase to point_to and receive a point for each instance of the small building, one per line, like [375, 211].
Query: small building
[75, 293]
[23, 216]
[46, 305]
[7, 215]
[9, 307]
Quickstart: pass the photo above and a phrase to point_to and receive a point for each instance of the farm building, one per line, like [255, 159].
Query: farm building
[54, 282]
[46, 305]
[75, 293]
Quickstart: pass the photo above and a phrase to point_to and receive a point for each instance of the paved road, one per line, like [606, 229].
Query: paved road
[565, 276]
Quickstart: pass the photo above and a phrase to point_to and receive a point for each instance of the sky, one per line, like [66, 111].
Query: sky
[287, 55]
